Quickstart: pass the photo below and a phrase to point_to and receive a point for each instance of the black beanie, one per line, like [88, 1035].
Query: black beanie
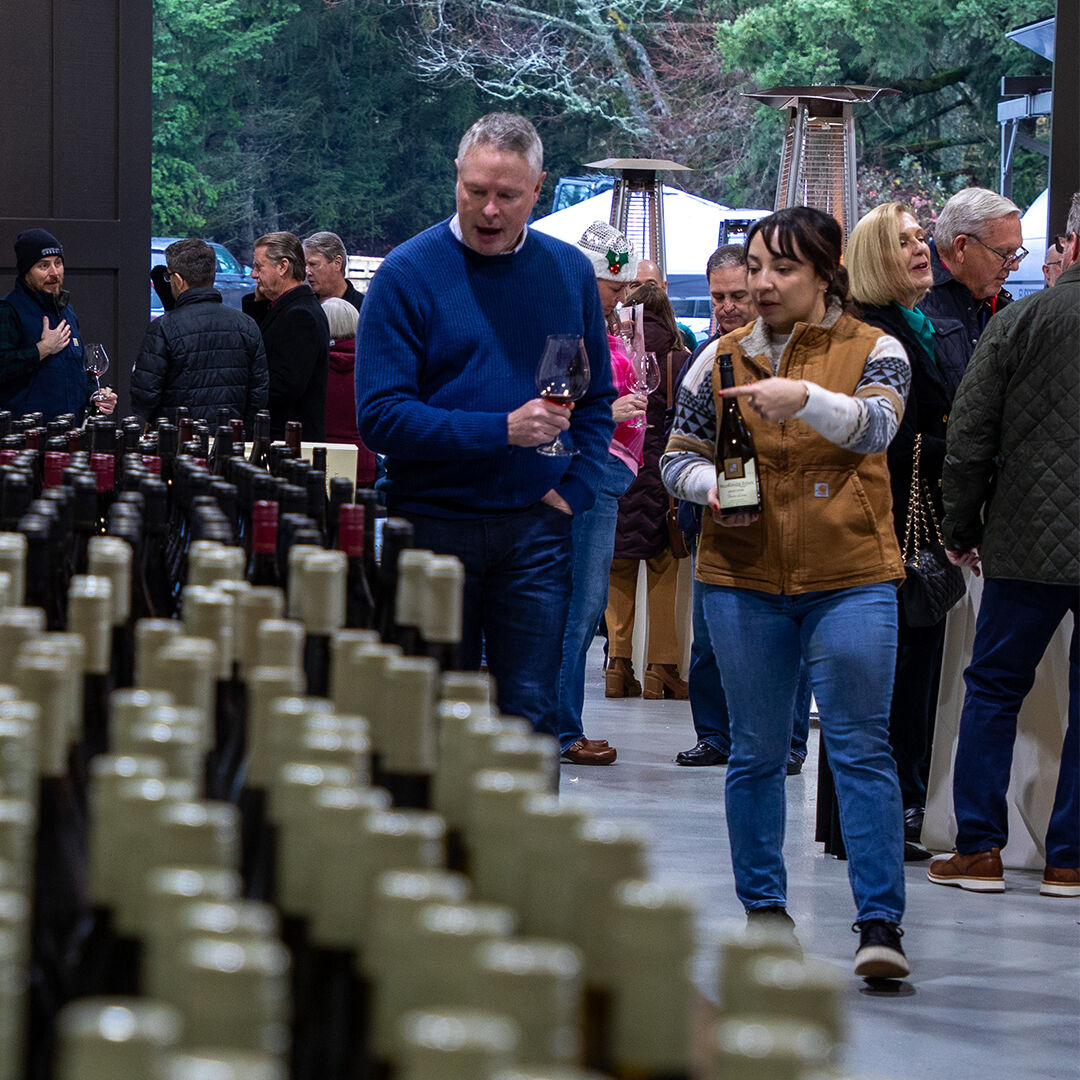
[32, 246]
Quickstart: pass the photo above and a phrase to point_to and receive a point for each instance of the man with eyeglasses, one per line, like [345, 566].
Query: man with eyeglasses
[977, 243]
[1052, 262]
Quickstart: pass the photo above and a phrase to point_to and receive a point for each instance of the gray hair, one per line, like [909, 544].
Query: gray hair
[967, 212]
[1072, 224]
[284, 245]
[330, 246]
[341, 316]
[723, 257]
[507, 132]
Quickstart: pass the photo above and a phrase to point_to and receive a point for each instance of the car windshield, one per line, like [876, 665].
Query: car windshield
[226, 264]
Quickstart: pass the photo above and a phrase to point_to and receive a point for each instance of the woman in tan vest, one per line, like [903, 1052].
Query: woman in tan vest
[814, 575]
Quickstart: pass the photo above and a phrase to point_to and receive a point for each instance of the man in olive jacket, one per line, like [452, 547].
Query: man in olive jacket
[1011, 487]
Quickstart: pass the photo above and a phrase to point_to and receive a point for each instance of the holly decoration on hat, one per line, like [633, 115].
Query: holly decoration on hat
[617, 260]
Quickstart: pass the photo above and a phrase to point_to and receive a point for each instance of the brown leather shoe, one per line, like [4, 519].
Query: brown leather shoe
[980, 872]
[619, 678]
[589, 752]
[1060, 881]
[662, 681]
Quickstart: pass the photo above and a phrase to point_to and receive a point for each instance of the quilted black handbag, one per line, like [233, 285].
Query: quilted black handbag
[932, 584]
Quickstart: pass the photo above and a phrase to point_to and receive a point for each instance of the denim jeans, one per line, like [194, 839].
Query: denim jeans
[1016, 621]
[517, 588]
[847, 638]
[594, 543]
[708, 706]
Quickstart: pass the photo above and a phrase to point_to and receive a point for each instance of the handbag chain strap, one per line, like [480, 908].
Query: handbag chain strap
[922, 527]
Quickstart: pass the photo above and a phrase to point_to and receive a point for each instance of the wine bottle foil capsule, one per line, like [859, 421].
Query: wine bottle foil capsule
[13, 563]
[411, 597]
[443, 607]
[280, 643]
[207, 613]
[221, 1065]
[90, 615]
[253, 606]
[757, 1048]
[211, 564]
[322, 591]
[342, 646]
[458, 1044]
[151, 636]
[475, 687]
[121, 1038]
[109, 556]
[298, 553]
[130, 705]
[17, 624]
[408, 738]
[51, 683]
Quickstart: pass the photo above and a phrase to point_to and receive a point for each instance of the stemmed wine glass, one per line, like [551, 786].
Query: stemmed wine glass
[562, 377]
[646, 380]
[96, 362]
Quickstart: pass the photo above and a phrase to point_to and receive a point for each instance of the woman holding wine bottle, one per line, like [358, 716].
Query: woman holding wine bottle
[593, 536]
[799, 560]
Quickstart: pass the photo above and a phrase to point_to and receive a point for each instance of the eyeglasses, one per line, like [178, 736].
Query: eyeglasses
[1059, 244]
[1007, 260]
[167, 276]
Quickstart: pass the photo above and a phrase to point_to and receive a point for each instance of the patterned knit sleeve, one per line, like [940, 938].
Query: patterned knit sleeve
[687, 465]
[866, 421]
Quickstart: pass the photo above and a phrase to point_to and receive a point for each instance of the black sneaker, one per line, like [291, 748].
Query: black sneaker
[701, 754]
[794, 764]
[880, 955]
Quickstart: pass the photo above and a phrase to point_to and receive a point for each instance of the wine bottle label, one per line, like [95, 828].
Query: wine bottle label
[737, 484]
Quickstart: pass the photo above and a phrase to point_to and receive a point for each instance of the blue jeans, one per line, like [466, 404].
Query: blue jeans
[1016, 621]
[517, 588]
[847, 638]
[594, 544]
[708, 706]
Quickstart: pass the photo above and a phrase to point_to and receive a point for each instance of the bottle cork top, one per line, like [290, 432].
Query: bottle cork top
[210, 562]
[320, 578]
[221, 1065]
[405, 735]
[477, 687]
[116, 1037]
[53, 684]
[411, 597]
[765, 1048]
[90, 615]
[280, 643]
[297, 554]
[185, 667]
[460, 1032]
[208, 613]
[444, 587]
[17, 624]
[254, 605]
[341, 649]
[13, 563]
[109, 556]
[130, 705]
[151, 635]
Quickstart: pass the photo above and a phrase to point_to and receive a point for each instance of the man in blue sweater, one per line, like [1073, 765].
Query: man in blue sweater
[450, 335]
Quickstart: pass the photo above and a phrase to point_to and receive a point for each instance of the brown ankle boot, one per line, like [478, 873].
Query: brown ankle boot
[619, 678]
[662, 681]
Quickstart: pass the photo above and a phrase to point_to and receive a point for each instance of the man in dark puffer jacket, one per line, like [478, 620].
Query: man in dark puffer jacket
[1011, 487]
[201, 354]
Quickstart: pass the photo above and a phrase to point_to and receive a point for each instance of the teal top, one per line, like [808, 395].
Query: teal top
[921, 327]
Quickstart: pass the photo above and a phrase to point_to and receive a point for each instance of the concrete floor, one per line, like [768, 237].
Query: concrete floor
[995, 984]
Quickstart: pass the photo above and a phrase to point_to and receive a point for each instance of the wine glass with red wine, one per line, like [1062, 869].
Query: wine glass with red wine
[96, 362]
[562, 377]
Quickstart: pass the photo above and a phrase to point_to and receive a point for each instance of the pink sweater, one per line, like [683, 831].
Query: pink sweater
[628, 442]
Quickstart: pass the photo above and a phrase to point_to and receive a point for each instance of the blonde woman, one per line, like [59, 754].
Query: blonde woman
[889, 268]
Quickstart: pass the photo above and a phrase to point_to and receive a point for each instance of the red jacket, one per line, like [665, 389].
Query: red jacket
[341, 407]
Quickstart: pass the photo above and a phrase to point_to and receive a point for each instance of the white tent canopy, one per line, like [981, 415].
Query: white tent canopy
[691, 226]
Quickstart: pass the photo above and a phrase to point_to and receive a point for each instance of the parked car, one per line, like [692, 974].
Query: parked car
[232, 280]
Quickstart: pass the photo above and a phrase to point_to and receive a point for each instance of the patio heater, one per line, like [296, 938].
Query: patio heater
[817, 163]
[637, 203]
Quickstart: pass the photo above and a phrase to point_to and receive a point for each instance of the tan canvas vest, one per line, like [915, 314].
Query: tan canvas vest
[827, 512]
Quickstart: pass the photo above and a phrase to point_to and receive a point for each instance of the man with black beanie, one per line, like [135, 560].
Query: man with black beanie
[41, 349]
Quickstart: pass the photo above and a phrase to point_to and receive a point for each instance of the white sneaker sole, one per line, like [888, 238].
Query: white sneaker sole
[1055, 888]
[972, 884]
[881, 962]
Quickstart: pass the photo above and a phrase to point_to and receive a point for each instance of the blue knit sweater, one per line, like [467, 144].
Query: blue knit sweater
[447, 347]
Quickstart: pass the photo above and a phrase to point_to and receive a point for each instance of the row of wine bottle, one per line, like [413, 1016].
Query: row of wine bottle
[267, 830]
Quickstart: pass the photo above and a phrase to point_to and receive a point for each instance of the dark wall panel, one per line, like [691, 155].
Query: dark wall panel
[75, 133]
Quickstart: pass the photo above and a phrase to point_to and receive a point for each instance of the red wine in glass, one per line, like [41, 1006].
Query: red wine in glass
[562, 377]
[96, 362]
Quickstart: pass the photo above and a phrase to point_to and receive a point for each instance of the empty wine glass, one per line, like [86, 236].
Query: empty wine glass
[96, 362]
[646, 380]
[562, 376]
